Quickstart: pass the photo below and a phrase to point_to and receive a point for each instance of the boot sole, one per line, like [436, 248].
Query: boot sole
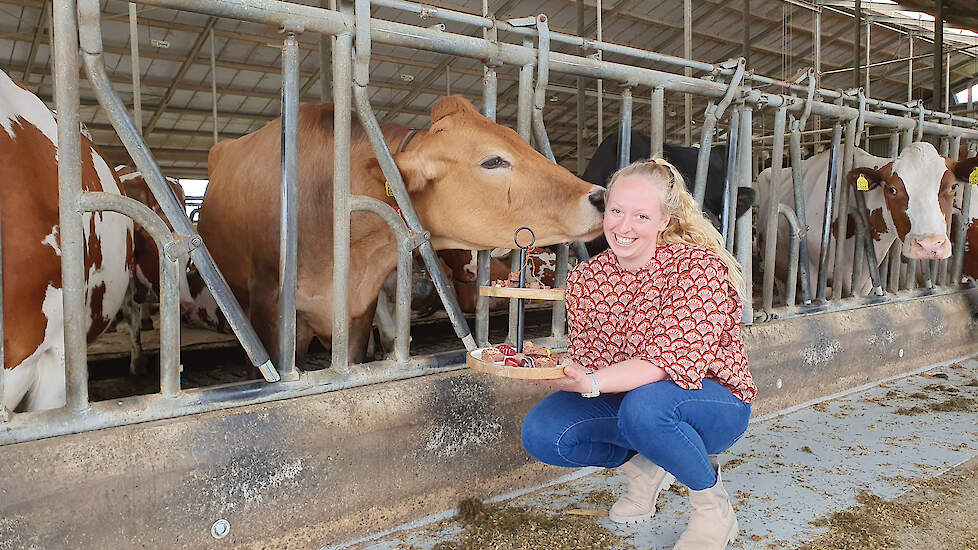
[666, 483]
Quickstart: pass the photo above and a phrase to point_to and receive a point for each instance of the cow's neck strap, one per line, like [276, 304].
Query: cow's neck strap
[404, 143]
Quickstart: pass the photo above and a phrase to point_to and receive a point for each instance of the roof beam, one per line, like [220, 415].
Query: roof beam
[181, 72]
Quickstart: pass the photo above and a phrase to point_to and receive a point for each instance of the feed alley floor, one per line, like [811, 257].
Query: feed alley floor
[791, 468]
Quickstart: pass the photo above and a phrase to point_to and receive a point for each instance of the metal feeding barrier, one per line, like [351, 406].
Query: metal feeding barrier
[728, 86]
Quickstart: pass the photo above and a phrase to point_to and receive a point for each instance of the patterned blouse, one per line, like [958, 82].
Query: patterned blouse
[679, 312]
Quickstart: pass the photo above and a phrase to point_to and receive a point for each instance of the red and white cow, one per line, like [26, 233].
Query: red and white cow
[145, 285]
[32, 296]
[909, 198]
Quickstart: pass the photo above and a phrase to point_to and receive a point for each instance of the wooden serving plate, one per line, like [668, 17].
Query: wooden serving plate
[553, 294]
[474, 360]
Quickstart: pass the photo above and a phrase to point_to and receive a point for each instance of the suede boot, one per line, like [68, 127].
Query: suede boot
[712, 523]
[645, 482]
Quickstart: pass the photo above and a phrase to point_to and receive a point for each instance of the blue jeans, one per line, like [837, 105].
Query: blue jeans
[675, 428]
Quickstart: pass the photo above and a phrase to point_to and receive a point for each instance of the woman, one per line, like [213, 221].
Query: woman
[660, 381]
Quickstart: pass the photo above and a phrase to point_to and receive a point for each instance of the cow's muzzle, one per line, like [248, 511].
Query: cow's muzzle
[928, 247]
[596, 198]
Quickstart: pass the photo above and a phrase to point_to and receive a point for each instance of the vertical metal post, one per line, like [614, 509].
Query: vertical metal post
[137, 96]
[581, 95]
[842, 199]
[288, 221]
[857, 44]
[893, 272]
[730, 184]
[72, 234]
[771, 228]
[523, 118]
[559, 319]
[799, 193]
[830, 193]
[910, 71]
[4, 416]
[964, 223]
[817, 56]
[938, 56]
[214, 84]
[866, 86]
[658, 120]
[325, 64]
[894, 144]
[688, 54]
[625, 129]
[342, 78]
[600, 37]
[745, 19]
[490, 90]
[743, 241]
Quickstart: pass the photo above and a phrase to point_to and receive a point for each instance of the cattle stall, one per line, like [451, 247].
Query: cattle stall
[263, 412]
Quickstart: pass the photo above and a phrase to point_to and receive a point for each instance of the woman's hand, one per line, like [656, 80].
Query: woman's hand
[575, 380]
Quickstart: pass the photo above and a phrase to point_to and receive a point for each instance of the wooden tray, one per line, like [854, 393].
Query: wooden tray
[474, 360]
[554, 294]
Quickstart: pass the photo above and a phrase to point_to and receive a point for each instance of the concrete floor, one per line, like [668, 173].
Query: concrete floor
[791, 467]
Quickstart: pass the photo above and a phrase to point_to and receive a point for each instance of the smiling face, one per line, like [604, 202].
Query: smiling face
[633, 219]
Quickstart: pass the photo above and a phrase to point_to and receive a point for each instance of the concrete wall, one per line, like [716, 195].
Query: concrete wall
[311, 471]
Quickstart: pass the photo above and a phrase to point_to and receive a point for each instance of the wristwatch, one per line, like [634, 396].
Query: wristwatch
[595, 391]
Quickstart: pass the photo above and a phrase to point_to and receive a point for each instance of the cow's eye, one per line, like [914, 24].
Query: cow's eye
[495, 162]
[891, 190]
[954, 187]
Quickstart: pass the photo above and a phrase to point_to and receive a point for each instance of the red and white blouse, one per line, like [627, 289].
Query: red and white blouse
[678, 312]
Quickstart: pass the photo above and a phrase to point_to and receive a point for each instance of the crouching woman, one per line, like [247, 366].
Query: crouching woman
[661, 380]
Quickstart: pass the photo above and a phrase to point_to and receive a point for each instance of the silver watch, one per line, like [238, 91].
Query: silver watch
[595, 391]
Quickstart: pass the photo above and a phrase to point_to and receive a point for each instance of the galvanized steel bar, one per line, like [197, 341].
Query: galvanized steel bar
[70, 224]
[342, 122]
[214, 86]
[658, 121]
[625, 128]
[289, 209]
[405, 240]
[559, 318]
[688, 53]
[376, 137]
[771, 228]
[540, 91]
[325, 60]
[744, 223]
[894, 145]
[960, 236]
[830, 200]
[714, 111]
[91, 44]
[732, 179]
[864, 240]
[4, 413]
[799, 193]
[169, 279]
[137, 95]
[791, 285]
[842, 201]
[893, 271]
[489, 96]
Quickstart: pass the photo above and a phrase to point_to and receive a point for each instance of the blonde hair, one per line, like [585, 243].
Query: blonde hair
[686, 221]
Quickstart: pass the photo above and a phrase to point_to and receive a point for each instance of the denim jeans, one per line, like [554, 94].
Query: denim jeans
[675, 428]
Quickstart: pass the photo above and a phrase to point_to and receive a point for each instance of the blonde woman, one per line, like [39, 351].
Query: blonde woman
[661, 380]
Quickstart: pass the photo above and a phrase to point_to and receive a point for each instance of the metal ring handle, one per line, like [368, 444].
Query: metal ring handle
[516, 237]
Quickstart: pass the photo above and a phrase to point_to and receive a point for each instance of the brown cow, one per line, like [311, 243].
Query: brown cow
[32, 298]
[472, 182]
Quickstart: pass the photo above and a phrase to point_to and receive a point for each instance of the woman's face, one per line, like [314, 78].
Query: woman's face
[633, 219]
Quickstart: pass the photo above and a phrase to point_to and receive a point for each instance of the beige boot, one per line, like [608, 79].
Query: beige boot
[645, 482]
[712, 524]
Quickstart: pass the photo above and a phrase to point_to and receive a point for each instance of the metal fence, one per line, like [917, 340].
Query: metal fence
[729, 86]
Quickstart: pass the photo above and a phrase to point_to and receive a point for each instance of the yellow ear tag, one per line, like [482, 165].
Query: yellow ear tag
[862, 184]
[387, 186]
[973, 178]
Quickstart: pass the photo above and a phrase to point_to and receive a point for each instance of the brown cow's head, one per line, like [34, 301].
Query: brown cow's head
[918, 188]
[475, 183]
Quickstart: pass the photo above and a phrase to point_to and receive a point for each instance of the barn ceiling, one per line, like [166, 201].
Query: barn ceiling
[176, 78]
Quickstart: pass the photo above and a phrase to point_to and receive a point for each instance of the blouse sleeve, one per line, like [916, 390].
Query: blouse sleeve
[686, 336]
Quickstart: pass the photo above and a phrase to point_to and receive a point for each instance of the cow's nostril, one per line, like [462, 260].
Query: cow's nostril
[597, 199]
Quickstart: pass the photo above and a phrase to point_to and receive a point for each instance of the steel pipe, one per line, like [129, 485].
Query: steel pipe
[771, 228]
[342, 123]
[170, 266]
[625, 129]
[540, 91]
[732, 179]
[137, 95]
[742, 242]
[289, 210]
[830, 200]
[70, 224]
[842, 207]
[798, 186]
[791, 285]
[713, 113]
[658, 120]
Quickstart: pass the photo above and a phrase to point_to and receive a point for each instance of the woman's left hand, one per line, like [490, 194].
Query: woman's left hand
[575, 380]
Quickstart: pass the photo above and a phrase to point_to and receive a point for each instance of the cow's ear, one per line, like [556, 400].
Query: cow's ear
[452, 105]
[409, 164]
[865, 179]
[967, 170]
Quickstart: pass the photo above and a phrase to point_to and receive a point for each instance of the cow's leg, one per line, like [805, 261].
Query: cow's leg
[132, 313]
[360, 328]
[303, 337]
[263, 313]
[48, 390]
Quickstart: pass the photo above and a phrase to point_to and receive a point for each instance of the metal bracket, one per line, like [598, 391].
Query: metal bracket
[292, 27]
[416, 239]
[440, 27]
[529, 21]
[181, 246]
